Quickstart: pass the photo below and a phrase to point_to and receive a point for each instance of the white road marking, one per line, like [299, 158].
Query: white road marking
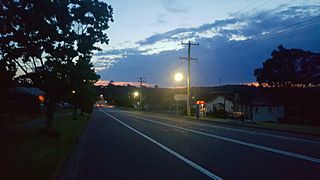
[244, 131]
[194, 165]
[261, 147]
[255, 132]
[241, 130]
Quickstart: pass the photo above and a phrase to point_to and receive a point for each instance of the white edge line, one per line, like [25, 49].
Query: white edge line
[249, 132]
[194, 165]
[261, 147]
[255, 132]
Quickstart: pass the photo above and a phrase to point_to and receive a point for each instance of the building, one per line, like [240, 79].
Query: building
[25, 100]
[220, 102]
[266, 109]
[253, 106]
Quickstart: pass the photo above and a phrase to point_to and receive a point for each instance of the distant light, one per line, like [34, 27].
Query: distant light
[200, 102]
[178, 76]
[41, 99]
[136, 93]
[101, 95]
[73, 91]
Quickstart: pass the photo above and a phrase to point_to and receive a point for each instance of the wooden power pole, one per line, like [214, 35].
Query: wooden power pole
[188, 79]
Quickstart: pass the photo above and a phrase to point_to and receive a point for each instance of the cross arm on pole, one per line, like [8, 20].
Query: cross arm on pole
[185, 58]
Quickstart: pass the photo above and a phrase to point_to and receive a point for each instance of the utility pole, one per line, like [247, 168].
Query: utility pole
[141, 80]
[188, 79]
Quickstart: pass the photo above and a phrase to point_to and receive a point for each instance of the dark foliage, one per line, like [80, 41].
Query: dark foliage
[50, 40]
[290, 68]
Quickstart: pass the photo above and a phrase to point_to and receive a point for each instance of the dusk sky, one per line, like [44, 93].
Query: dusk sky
[235, 37]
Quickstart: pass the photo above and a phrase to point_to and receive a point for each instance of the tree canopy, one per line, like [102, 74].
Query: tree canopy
[290, 68]
[52, 42]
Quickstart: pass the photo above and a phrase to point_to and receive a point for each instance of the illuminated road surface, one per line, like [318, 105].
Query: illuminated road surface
[120, 145]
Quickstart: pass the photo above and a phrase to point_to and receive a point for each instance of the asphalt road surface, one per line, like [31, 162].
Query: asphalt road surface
[120, 145]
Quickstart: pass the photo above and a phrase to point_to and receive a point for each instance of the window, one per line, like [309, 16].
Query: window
[256, 110]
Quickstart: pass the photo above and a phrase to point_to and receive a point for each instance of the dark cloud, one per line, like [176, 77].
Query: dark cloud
[220, 56]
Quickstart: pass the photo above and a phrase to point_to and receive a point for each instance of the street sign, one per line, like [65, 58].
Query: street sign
[180, 97]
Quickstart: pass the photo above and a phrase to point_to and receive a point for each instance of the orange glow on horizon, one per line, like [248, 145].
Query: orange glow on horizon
[121, 83]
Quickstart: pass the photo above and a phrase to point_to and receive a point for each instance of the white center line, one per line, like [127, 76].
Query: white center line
[194, 165]
[261, 147]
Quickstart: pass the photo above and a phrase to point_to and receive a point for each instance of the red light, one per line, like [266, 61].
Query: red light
[200, 102]
[41, 98]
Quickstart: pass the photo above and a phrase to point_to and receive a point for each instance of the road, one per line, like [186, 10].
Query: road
[120, 145]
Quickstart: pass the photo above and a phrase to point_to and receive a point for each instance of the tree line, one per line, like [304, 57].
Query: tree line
[290, 68]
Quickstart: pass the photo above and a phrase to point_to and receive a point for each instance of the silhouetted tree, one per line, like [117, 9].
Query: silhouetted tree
[7, 72]
[83, 79]
[290, 68]
[45, 39]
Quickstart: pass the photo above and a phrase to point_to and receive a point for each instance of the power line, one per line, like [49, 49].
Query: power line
[246, 7]
[278, 35]
[203, 72]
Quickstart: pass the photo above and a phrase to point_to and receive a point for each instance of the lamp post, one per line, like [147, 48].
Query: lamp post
[178, 77]
[136, 94]
[74, 104]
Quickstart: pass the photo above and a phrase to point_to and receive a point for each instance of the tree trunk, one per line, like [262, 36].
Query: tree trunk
[48, 129]
[81, 112]
[75, 112]
[50, 113]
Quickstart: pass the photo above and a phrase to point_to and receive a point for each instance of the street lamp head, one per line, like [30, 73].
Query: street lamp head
[178, 76]
[136, 93]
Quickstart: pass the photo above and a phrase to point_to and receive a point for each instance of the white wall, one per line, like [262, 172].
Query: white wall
[220, 99]
[264, 113]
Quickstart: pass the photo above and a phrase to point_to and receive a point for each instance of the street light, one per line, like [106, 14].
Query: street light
[178, 76]
[135, 94]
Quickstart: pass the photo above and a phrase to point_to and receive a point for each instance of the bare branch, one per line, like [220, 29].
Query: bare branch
[34, 63]
[21, 67]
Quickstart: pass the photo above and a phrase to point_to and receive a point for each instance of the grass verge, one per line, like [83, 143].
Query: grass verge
[34, 156]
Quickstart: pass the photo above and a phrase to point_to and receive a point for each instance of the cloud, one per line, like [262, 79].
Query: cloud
[229, 49]
[172, 6]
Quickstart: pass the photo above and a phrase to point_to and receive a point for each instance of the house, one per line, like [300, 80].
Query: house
[25, 100]
[220, 102]
[266, 108]
[255, 106]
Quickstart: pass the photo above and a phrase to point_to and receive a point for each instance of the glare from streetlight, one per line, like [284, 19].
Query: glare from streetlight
[178, 76]
[73, 91]
[136, 93]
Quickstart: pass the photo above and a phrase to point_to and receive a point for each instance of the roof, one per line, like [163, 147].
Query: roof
[254, 98]
[264, 100]
[29, 90]
[226, 96]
